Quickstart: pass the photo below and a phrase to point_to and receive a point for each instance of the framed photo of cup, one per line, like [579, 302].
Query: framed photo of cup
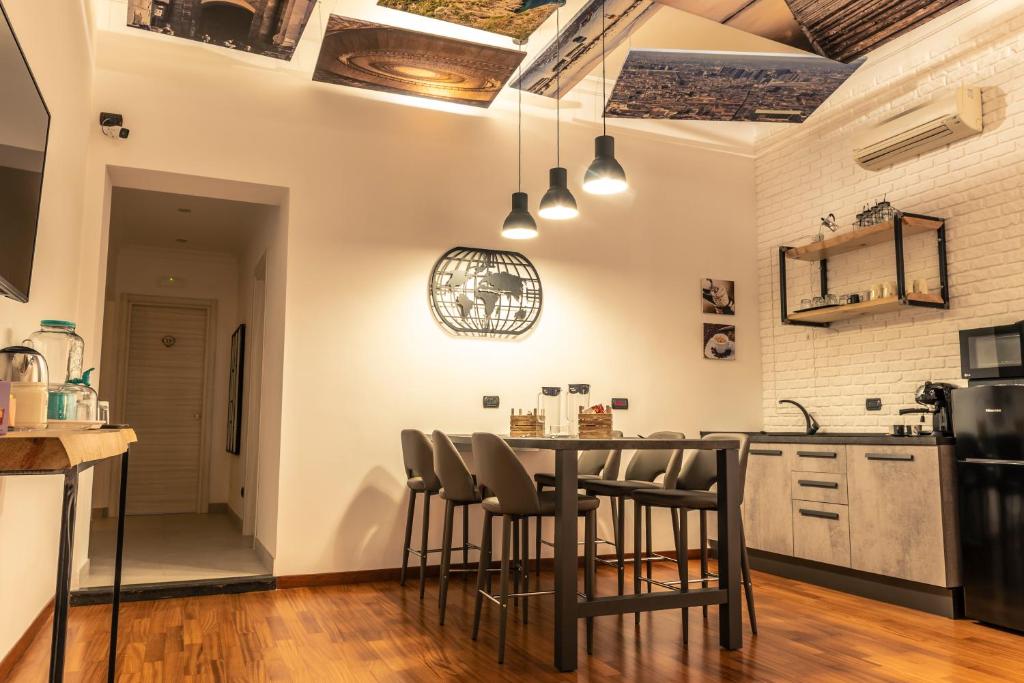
[719, 342]
[718, 296]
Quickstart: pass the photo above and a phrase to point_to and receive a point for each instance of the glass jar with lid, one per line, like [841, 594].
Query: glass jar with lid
[76, 400]
[62, 348]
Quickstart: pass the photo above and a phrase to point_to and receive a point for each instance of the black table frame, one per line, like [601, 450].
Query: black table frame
[65, 551]
[569, 607]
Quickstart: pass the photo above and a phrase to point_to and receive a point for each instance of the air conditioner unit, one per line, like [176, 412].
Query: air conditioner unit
[927, 126]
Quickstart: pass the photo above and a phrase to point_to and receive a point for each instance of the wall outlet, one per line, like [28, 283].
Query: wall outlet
[492, 401]
[873, 404]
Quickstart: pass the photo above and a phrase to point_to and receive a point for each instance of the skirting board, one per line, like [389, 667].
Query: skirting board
[21, 645]
[945, 602]
[225, 509]
[394, 573]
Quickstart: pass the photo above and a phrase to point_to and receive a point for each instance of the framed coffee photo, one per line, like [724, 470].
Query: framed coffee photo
[718, 297]
[719, 342]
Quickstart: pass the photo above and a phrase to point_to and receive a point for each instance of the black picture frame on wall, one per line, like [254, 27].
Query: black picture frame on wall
[235, 382]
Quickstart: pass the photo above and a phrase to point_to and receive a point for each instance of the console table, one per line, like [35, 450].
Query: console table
[69, 453]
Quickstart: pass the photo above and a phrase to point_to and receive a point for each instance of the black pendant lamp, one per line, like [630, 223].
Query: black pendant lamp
[558, 203]
[605, 174]
[519, 225]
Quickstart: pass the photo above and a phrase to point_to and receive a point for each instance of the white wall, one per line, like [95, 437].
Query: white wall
[378, 190]
[201, 275]
[56, 40]
[976, 184]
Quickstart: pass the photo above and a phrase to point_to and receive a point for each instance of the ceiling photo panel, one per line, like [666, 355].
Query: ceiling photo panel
[724, 86]
[578, 48]
[361, 54]
[266, 27]
[513, 18]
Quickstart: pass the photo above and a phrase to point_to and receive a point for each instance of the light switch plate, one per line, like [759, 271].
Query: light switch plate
[492, 401]
[873, 404]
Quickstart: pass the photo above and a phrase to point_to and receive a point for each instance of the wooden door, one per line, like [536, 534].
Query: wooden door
[164, 400]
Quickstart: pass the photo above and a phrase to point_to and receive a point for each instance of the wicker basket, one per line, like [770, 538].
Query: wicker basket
[530, 424]
[595, 425]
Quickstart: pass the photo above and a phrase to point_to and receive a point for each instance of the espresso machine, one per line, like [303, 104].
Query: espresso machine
[936, 399]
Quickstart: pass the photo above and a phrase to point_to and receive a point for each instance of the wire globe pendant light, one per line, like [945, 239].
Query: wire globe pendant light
[605, 175]
[558, 204]
[519, 224]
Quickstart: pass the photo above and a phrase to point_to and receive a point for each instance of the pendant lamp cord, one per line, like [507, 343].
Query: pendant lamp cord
[604, 77]
[558, 88]
[520, 89]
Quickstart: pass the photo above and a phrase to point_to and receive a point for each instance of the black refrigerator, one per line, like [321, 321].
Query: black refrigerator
[989, 424]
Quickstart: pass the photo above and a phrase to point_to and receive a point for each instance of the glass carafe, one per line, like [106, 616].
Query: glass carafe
[549, 404]
[62, 349]
[577, 401]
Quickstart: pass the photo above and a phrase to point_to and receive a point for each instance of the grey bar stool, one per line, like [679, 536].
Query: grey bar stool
[418, 455]
[515, 499]
[458, 489]
[643, 469]
[689, 488]
[590, 465]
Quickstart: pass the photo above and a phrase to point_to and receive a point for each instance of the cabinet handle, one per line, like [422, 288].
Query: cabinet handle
[810, 483]
[761, 452]
[909, 457]
[817, 454]
[819, 513]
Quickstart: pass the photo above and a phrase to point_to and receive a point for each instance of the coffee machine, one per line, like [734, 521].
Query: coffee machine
[937, 402]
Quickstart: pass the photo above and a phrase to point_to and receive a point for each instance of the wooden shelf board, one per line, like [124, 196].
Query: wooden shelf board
[862, 237]
[849, 311]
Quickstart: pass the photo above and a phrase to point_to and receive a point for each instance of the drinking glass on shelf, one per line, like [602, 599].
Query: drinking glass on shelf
[831, 300]
[844, 299]
[806, 303]
[818, 301]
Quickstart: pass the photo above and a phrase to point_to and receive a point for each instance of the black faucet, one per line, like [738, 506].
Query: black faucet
[812, 424]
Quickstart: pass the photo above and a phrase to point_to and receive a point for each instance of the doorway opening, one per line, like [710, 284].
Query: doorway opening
[186, 278]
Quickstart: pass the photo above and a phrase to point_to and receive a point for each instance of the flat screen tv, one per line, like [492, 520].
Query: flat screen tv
[24, 129]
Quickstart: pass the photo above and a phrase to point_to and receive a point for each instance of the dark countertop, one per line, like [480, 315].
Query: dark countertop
[838, 438]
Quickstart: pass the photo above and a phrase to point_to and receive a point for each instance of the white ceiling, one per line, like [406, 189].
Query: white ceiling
[142, 218]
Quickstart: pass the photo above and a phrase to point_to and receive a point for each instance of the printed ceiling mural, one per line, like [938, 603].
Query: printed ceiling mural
[266, 27]
[842, 30]
[724, 86]
[513, 18]
[362, 54]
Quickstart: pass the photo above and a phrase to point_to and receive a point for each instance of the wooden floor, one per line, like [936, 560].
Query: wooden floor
[380, 632]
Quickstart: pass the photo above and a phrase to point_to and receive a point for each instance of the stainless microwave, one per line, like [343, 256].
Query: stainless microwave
[992, 352]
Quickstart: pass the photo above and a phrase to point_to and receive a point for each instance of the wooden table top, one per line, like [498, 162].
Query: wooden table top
[52, 450]
[559, 443]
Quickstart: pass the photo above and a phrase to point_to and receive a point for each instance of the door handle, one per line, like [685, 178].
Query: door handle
[892, 457]
[195, 416]
[819, 513]
[810, 483]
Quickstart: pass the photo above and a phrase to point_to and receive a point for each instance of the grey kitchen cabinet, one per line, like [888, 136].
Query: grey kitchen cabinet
[903, 513]
[821, 532]
[767, 511]
[824, 458]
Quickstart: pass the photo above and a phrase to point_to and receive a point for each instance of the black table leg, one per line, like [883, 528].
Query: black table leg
[730, 620]
[62, 596]
[118, 557]
[566, 559]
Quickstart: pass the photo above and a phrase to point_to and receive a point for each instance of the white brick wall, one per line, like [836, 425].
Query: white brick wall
[806, 172]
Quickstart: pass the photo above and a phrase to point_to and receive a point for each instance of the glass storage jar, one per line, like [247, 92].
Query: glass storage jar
[62, 349]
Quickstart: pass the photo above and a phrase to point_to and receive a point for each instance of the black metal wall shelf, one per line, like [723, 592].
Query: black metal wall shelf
[902, 225]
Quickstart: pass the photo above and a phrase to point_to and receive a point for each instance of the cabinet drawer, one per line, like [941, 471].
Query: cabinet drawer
[821, 532]
[808, 458]
[824, 487]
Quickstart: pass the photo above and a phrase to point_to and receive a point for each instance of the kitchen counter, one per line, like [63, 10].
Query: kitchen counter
[824, 438]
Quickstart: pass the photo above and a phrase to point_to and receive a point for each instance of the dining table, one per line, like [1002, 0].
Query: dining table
[569, 606]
